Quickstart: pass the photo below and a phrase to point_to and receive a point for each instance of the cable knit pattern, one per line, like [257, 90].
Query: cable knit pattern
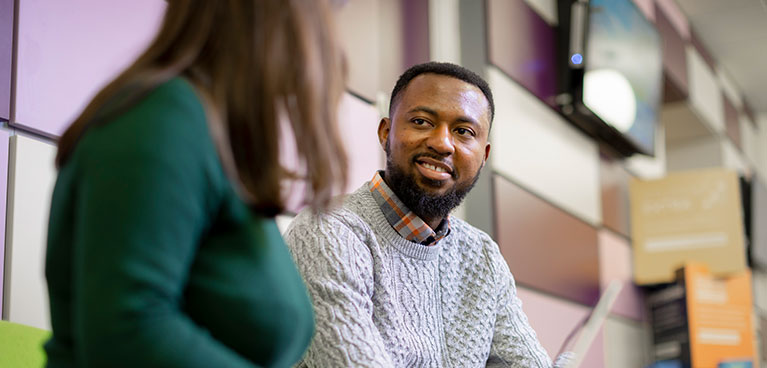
[383, 301]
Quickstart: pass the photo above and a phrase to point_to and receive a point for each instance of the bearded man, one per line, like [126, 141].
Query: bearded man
[395, 280]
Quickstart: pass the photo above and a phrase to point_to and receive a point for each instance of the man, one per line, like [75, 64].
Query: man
[396, 281]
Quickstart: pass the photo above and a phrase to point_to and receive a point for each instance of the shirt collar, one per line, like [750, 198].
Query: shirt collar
[402, 219]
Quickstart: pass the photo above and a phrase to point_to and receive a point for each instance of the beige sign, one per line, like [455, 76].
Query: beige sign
[686, 216]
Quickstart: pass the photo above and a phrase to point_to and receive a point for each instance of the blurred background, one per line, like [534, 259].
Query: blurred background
[603, 109]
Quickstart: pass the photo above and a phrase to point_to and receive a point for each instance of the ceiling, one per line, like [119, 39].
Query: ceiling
[735, 34]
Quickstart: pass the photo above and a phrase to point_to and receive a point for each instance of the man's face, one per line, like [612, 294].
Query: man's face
[435, 142]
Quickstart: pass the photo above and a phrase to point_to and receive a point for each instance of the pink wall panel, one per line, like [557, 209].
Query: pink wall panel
[675, 16]
[6, 57]
[545, 247]
[358, 122]
[68, 50]
[732, 122]
[674, 57]
[359, 126]
[4, 147]
[614, 182]
[647, 7]
[553, 319]
[615, 264]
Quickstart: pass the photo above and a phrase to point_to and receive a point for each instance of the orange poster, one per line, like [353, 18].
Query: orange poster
[719, 312]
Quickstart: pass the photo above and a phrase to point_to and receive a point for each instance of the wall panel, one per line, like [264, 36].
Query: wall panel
[536, 147]
[521, 44]
[615, 196]
[31, 179]
[705, 95]
[545, 247]
[68, 50]
[4, 151]
[553, 319]
[615, 264]
[6, 56]
[628, 344]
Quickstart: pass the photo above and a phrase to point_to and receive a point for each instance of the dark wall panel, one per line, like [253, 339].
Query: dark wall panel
[545, 247]
[674, 58]
[521, 44]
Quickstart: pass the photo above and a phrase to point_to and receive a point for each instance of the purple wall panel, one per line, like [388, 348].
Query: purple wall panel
[6, 57]
[553, 319]
[68, 50]
[415, 38]
[545, 247]
[4, 147]
[521, 44]
[674, 57]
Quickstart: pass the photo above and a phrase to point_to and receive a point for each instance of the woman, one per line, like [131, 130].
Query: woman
[162, 249]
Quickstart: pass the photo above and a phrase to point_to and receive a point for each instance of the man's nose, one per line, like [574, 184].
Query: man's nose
[440, 140]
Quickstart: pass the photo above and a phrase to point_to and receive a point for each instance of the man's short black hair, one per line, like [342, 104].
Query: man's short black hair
[448, 69]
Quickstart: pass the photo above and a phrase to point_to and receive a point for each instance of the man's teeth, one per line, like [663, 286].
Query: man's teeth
[435, 168]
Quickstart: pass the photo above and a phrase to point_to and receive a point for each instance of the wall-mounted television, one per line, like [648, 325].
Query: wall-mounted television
[757, 217]
[610, 73]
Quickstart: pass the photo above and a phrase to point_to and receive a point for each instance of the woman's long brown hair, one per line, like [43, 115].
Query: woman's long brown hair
[249, 60]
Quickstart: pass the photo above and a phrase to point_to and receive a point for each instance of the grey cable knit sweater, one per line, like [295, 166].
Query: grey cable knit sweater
[383, 301]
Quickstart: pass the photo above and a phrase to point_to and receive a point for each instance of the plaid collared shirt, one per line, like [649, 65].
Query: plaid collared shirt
[402, 219]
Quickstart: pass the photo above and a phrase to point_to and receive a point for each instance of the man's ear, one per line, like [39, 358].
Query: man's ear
[487, 151]
[384, 127]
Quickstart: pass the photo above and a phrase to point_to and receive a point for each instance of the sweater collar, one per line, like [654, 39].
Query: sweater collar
[402, 219]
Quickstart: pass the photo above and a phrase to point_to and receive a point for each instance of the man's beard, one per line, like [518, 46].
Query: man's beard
[427, 206]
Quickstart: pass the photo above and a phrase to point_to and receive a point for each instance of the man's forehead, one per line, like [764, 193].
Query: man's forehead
[440, 89]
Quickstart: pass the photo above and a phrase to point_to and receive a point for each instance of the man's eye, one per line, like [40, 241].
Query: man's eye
[419, 121]
[464, 132]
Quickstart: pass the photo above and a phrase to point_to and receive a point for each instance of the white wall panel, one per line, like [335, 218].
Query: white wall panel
[749, 139]
[534, 146]
[705, 95]
[760, 290]
[647, 167]
[733, 159]
[627, 344]
[444, 31]
[31, 178]
[698, 153]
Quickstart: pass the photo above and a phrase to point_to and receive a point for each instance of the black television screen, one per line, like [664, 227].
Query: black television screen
[758, 243]
[613, 72]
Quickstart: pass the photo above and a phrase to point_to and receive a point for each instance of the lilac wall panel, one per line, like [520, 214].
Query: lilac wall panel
[545, 247]
[6, 57]
[702, 50]
[4, 147]
[614, 180]
[615, 264]
[521, 44]
[68, 50]
[553, 319]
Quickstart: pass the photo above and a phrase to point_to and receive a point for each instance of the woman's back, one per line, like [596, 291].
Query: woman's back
[153, 258]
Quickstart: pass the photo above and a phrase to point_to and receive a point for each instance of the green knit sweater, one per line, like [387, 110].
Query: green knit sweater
[154, 261]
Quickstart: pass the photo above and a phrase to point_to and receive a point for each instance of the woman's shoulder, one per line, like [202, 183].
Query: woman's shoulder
[168, 122]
